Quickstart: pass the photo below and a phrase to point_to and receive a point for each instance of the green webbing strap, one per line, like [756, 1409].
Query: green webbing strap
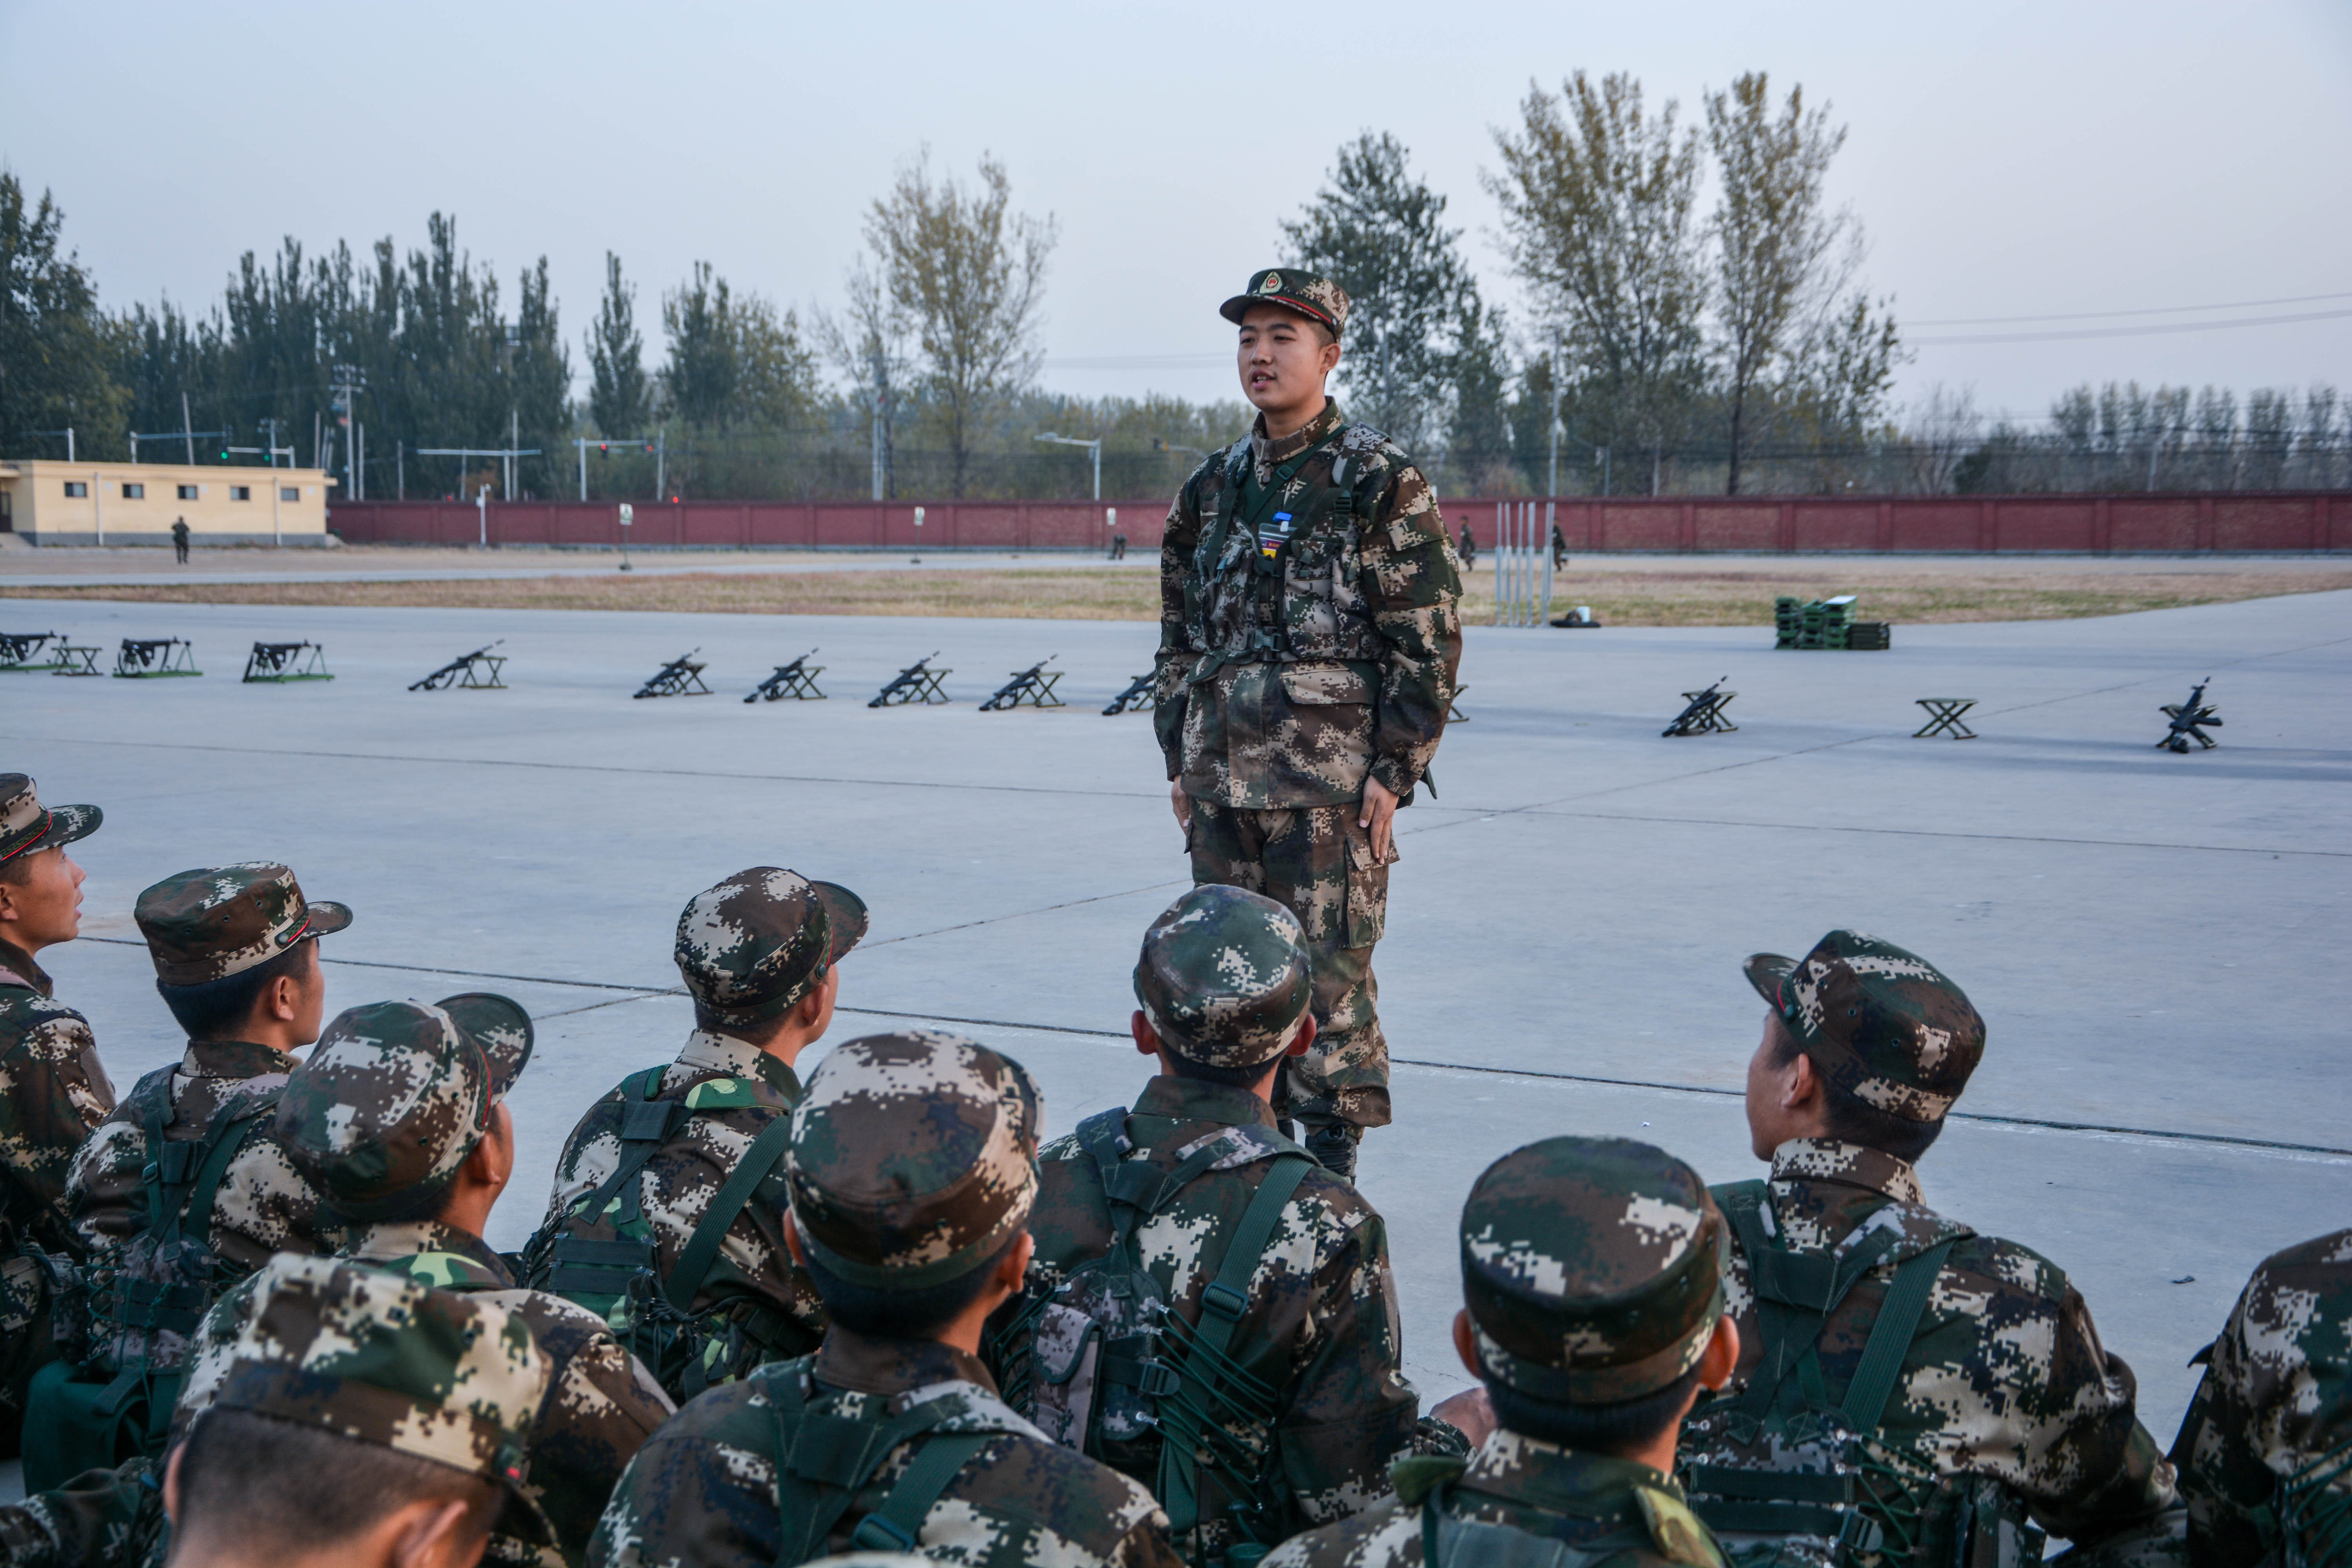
[1795, 1294]
[1890, 1337]
[227, 1139]
[1222, 1305]
[642, 1136]
[702, 1247]
[828, 1457]
[897, 1524]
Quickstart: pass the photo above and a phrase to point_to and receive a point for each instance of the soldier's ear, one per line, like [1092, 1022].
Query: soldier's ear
[1466, 1343]
[1145, 1040]
[1721, 1357]
[793, 1239]
[171, 1484]
[1303, 1041]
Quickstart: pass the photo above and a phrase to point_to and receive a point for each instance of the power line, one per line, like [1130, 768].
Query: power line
[2158, 327]
[2151, 311]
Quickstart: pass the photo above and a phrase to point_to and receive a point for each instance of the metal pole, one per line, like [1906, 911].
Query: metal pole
[358, 459]
[1545, 545]
[69, 456]
[400, 470]
[1498, 563]
[1097, 469]
[98, 504]
[661, 458]
[188, 429]
[581, 443]
[514, 442]
[482, 512]
[276, 493]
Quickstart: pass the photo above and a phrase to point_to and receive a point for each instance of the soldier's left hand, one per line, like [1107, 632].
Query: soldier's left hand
[1378, 816]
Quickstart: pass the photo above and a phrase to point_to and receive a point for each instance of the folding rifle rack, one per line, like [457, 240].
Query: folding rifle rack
[1454, 714]
[1946, 716]
[287, 661]
[76, 658]
[149, 658]
[1132, 697]
[1704, 713]
[797, 679]
[2189, 719]
[18, 649]
[1033, 686]
[681, 676]
[467, 671]
[919, 682]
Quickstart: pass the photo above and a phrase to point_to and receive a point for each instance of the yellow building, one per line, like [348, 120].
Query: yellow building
[48, 502]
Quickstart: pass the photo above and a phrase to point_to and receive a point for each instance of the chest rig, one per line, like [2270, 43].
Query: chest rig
[1266, 580]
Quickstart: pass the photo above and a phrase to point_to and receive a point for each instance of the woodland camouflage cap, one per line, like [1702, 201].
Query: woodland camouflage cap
[215, 921]
[913, 1159]
[751, 947]
[370, 1354]
[396, 1095]
[1304, 292]
[1225, 977]
[1591, 1268]
[27, 826]
[1884, 1024]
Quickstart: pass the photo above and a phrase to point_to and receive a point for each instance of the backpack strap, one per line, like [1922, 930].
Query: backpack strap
[897, 1524]
[824, 1461]
[701, 1249]
[1795, 1294]
[1891, 1336]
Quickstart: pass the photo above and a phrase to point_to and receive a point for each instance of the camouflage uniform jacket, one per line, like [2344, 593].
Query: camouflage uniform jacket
[265, 1205]
[1321, 1324]
[2276, 1401]
[601, 1405]
[704, 1491]
[1293, 699]
[100, 1519]
[2005, 1380]
[1618, 1514]
[743, 1090]
[54, 1093]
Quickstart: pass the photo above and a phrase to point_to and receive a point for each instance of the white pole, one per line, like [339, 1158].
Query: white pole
[188, 429]
[276, 530]
[581, 443]
[1545, 545]
[69, 456]
[1498, 564]
[482, 512]
[98, 503]
[359, 458]
[1097, 469]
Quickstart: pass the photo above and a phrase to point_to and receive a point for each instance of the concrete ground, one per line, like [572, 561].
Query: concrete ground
[2157, 941]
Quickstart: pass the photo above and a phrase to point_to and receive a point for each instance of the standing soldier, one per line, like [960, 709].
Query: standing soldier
[180, 539]
[913, 1171]
[1240, 1296]
[56, 1089]
[186, 1189]
[1943, 1388]
[1308, 636]
[1594, 1320]
[1468, 549]
[667, 1210]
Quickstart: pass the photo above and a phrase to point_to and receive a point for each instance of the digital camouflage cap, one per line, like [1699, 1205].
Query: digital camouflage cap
[1225, 977]
[397, 1094]
[1310, 295]
[26, 824]
[1591, 1268]
[751, 947]
[1882, 1023]
[369, 1354]
[218, 920]
[913, 1159]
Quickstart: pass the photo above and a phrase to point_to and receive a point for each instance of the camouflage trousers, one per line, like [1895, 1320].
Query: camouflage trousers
[1315, 861]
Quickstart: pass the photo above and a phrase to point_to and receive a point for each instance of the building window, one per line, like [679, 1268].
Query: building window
[240, 492]
[289, 492]
[187, 492]
[134, 493]
[77, 488]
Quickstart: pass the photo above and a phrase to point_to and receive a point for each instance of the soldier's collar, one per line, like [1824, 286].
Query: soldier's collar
[708, 1050]
[877, 1364]
[1514, 1466]
[399, 1240]
[1188, 1100]
[1829, 1160]
[1266, 453]
[17, 968]
[234, 1059]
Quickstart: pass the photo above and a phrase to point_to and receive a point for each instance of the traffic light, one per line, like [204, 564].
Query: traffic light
[605, 447]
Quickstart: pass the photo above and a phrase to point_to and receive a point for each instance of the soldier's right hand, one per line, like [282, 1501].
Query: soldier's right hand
[1183, 803]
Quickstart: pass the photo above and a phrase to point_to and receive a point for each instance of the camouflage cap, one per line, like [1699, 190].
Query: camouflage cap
[751, 947]
[372, 1355]
[1315, 297]
[1884, 1024]
[396, 1095]
[913, 1159]
[219, 920]
[1225, 977]
[26, 824]
[1591, 1268]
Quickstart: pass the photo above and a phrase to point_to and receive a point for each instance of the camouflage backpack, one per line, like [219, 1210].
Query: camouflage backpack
[1101, 1364]
[109, 1397]
[603, 1256]
[1788, 1473]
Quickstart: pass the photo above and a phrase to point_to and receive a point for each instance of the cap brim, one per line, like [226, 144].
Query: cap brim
[500, 1026]
[845, 911]
[326, 918]
[1768, 973]
[1234, 308]
[67, 823]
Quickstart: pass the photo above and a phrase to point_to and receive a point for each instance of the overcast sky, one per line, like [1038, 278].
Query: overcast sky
[2047, 159]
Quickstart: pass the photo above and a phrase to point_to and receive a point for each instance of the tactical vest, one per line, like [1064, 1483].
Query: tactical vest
[603, 1256]
[1103, 1366]
[112, 1402]
[824, 1459]
[1814, 1487]
[1280, 584]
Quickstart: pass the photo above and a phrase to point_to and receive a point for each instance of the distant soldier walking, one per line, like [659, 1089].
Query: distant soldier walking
[180, 539]
[1308, 636]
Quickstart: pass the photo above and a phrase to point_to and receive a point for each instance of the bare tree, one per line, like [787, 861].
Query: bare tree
[970, 274]
[1943, 430]
[868, 345]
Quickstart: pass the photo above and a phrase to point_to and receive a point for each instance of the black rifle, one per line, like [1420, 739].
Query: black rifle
[679, 678]
[797, 679]
[1704, 714]
[18, 649]
[461, 671]
[1031, 685]
[919, 682]
[1137, 691]
[282, 661]
[2189, 719]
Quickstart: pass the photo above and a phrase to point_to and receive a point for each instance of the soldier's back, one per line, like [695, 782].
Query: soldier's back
[56, 1094]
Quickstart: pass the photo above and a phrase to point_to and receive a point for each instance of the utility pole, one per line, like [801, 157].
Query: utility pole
[272, 423]
[347, 383]
[514, 439]
[187, 428]
[1096, 445]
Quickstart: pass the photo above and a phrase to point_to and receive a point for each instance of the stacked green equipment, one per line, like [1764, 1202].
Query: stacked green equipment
[1823, 624]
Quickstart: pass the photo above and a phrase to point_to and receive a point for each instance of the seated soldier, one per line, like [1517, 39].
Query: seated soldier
[2265, 1452]
[1946, 1385]
[57, 1090]
[1594, 1320]
[400, 1118]
[670, 1190]
[361, 1420]
[236, 960]
[1278, 1350]
[911, 1177]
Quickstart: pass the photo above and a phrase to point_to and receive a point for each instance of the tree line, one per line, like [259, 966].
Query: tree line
[1693, 317]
